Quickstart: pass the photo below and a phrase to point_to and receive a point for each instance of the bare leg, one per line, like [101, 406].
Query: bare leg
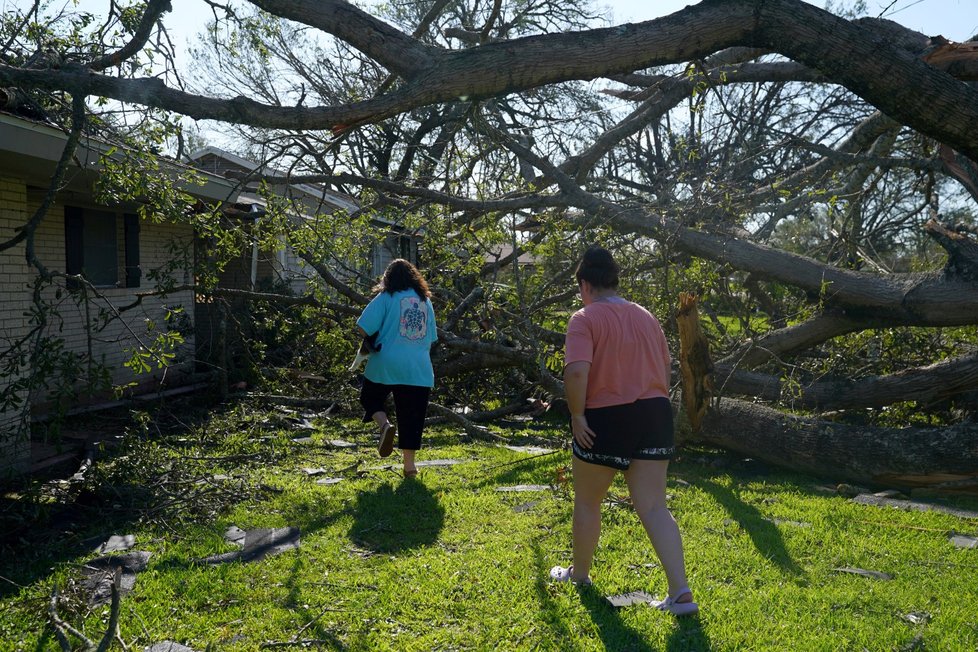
[380, 418]
[647, 486]
[409, 465]
[591, 482]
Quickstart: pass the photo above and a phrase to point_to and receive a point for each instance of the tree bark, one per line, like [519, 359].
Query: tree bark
[900, 84]
[894, 457]
[922, 385]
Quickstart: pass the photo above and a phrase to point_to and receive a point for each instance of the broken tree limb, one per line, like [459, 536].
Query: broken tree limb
[472, 430]
[694, 361]
[962, 251]
[895, 457]
[921, 384]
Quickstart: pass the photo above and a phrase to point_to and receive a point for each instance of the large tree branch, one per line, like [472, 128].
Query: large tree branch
[921, 384]
[845, 53]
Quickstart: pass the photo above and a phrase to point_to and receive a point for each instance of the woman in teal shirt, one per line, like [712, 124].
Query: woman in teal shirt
[402, 316]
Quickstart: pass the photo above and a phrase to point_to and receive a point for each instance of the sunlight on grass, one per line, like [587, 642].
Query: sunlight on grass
[449, 562]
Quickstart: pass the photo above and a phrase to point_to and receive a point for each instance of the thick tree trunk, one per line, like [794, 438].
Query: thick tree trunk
[893, 457]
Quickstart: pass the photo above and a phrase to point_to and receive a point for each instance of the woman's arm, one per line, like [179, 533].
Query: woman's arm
[575, 387]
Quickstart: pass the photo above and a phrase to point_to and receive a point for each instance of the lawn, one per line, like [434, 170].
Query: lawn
[449, 562]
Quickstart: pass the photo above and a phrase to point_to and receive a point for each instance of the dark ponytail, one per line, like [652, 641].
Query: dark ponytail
[402, 275]
[598, 267]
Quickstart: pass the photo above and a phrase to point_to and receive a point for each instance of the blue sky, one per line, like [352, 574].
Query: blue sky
[956, 20]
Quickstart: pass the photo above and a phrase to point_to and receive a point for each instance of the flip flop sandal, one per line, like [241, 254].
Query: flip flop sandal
[677, 608]
[561, 574]
[386, 445]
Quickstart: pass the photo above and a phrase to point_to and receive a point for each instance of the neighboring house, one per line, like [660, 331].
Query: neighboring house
[118, 252]
[279, 269]
[110, 244]
[308, 200]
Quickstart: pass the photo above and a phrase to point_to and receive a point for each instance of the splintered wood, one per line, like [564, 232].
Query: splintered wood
[694, 361]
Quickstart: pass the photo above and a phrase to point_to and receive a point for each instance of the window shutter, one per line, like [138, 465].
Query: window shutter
[74, 243]
[133, 272]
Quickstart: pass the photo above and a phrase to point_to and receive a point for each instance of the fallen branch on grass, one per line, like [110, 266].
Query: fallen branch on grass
[62, 628]
[472, 430]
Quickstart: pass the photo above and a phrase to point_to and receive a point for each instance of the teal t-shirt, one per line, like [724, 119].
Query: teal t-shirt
[406, 326]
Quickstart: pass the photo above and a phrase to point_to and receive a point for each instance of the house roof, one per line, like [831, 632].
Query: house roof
[30, 149]
[311, 192]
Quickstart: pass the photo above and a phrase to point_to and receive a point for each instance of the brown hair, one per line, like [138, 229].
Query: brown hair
[598, 267]
[402, 275]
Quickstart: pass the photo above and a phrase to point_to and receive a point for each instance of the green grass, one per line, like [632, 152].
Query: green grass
[448, 563]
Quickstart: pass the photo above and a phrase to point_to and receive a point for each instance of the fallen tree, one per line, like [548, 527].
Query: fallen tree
[809, 175]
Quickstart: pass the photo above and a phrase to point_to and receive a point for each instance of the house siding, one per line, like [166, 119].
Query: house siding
[108, 346]
[14, 278]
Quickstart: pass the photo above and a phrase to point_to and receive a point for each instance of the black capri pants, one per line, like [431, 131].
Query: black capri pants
[642, 430]
[410, 405]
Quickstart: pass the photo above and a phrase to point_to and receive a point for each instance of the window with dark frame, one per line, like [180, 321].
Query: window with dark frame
[92, 247]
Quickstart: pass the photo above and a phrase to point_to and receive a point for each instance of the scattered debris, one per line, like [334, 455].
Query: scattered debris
[100, 573]
[917, 617]
[438, 462]
[525, 507]
[849, 491]
[627, 599]
[964, 540]
[532, 450]
[258, 544]
[117, 543]
[779, 521]
[891, 493]
[519, 488]
[879, 575]
[873, 499]
[235, 535]
[168, 646]
[916, 645]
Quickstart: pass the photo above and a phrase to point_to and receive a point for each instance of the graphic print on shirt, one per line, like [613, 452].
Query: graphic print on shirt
[414, 320]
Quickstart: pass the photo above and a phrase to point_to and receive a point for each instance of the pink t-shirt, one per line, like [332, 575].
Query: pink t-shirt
[626, 348]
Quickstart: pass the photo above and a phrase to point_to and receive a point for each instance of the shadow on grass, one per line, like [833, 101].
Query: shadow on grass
[395, 519]
[310, 615]
[615, 634]
[763, 533]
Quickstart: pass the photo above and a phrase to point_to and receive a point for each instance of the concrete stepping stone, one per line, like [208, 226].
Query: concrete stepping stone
[438, 462]
[313, 472]
[328, 481]
[305, 441]
[525, 488]
[340, 443]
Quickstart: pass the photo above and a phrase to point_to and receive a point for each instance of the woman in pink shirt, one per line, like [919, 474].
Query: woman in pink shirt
[616, 378]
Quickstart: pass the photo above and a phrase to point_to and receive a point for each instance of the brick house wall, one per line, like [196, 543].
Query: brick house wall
[77, 326]
[14, 445]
